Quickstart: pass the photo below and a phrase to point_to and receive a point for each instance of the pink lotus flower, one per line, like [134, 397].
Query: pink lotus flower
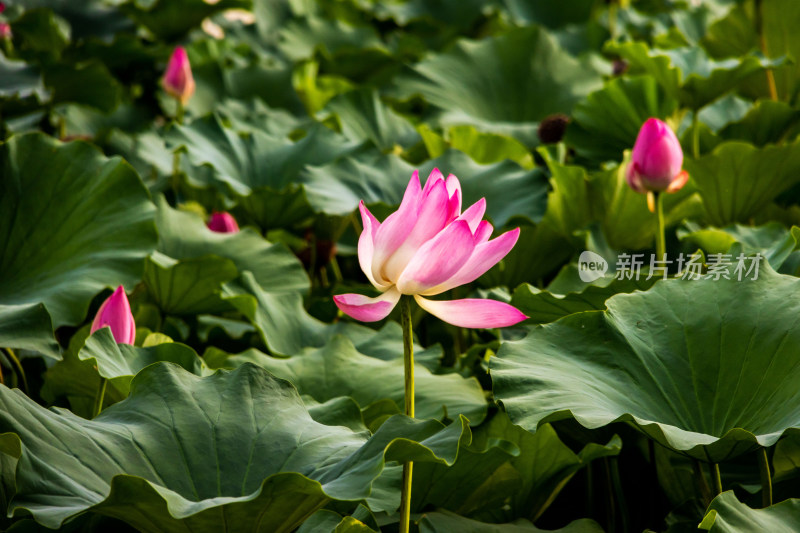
[5, 31]
[178, 80]
[116, 314]
[656, 160]
[427, 247]
[222, 223]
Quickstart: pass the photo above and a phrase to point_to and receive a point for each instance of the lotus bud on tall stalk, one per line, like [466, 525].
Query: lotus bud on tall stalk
[656, 168]
[178, 80]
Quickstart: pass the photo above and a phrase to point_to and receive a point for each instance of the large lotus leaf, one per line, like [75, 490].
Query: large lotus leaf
[484, 148]
[766, 122]
[624, 217]
[445, 522]
[458, 13]
[99, 225]
[504, 466]
[338, 369]
[688, 74]
[40, 34]
[256, 167]
[235, 451]
[509, 189]
[503, 84]
[362, 115]
[19, 79]
[725, 178]
[541, 306]
[607, 122]
[301, 38]
[183, 236]
[325, 521]
[549, 14]
[726, 514]
[89, 84]
[705, 367]
[28, 326]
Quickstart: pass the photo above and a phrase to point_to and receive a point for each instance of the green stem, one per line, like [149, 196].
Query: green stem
[766, 478]
[408, 365]
[619, 494]
[337, 272]
[716, 478]
[179, 113]
[695, 135]
[612, 509]
[612, 20]
[661, 241]
[762, 41]
[98, 399]
[705, 490]
[15, 362]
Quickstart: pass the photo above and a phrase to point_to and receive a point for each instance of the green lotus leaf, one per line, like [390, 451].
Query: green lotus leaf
[88, 83]
[549, 14]
[19, 79]
[119, 363]
[362, 115]
[726, 514]
[501, 84]
[509, 189]
[607, 122]
[28, 326]
[773, 241]
[458, 13]
[41, 35]
[724, 178]
[445, 522]
[689, 74]
[99, 225]
[767, 122]
[483, 148]
[686, 361]
[301, 38]
[257, 168]
[541, 306]
[504, 465]
[172, 19]
[184, 236]
[339, 369]
[235, 451]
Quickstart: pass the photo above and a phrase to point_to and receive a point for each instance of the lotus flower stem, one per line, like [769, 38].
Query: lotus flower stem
[99, 397]
[762, 42]
[716, 478]
[14, 361]
[705, 490]
[766, 478]
[661, 241]
[619, 493]
[408, 365]
[695, 135]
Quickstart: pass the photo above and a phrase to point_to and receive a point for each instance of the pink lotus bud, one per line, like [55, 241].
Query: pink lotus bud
[5, 31]
[2, 6]
[656, 160]
[223, 223]
[116, 314]
[178, 80]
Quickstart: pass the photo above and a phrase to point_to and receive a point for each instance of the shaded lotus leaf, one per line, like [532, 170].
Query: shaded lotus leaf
[339, 369]
[501, 84]
[685, 361]
[302, 38]
[458, 13]
[172, 19]
[549, 14]
[39, 34]
[504, 465]
[99, 225]
[689, 74]
[88, 83]
[726, 514]
[20, 80]
[28, 326]
[207, 454]
[724, 178]
[362, 115]
[445, 522]
[607, 121]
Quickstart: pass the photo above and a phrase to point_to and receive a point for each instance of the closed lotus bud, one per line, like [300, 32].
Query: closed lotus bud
[222, 223]
[115, 313]
[178, 80]
[656, 160]
[551, 129]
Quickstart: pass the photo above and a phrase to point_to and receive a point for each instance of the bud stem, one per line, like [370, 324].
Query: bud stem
[408, 365]
[661, 241]
[15, 362]
[98, 399]
[695, 135]
[766, 478]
